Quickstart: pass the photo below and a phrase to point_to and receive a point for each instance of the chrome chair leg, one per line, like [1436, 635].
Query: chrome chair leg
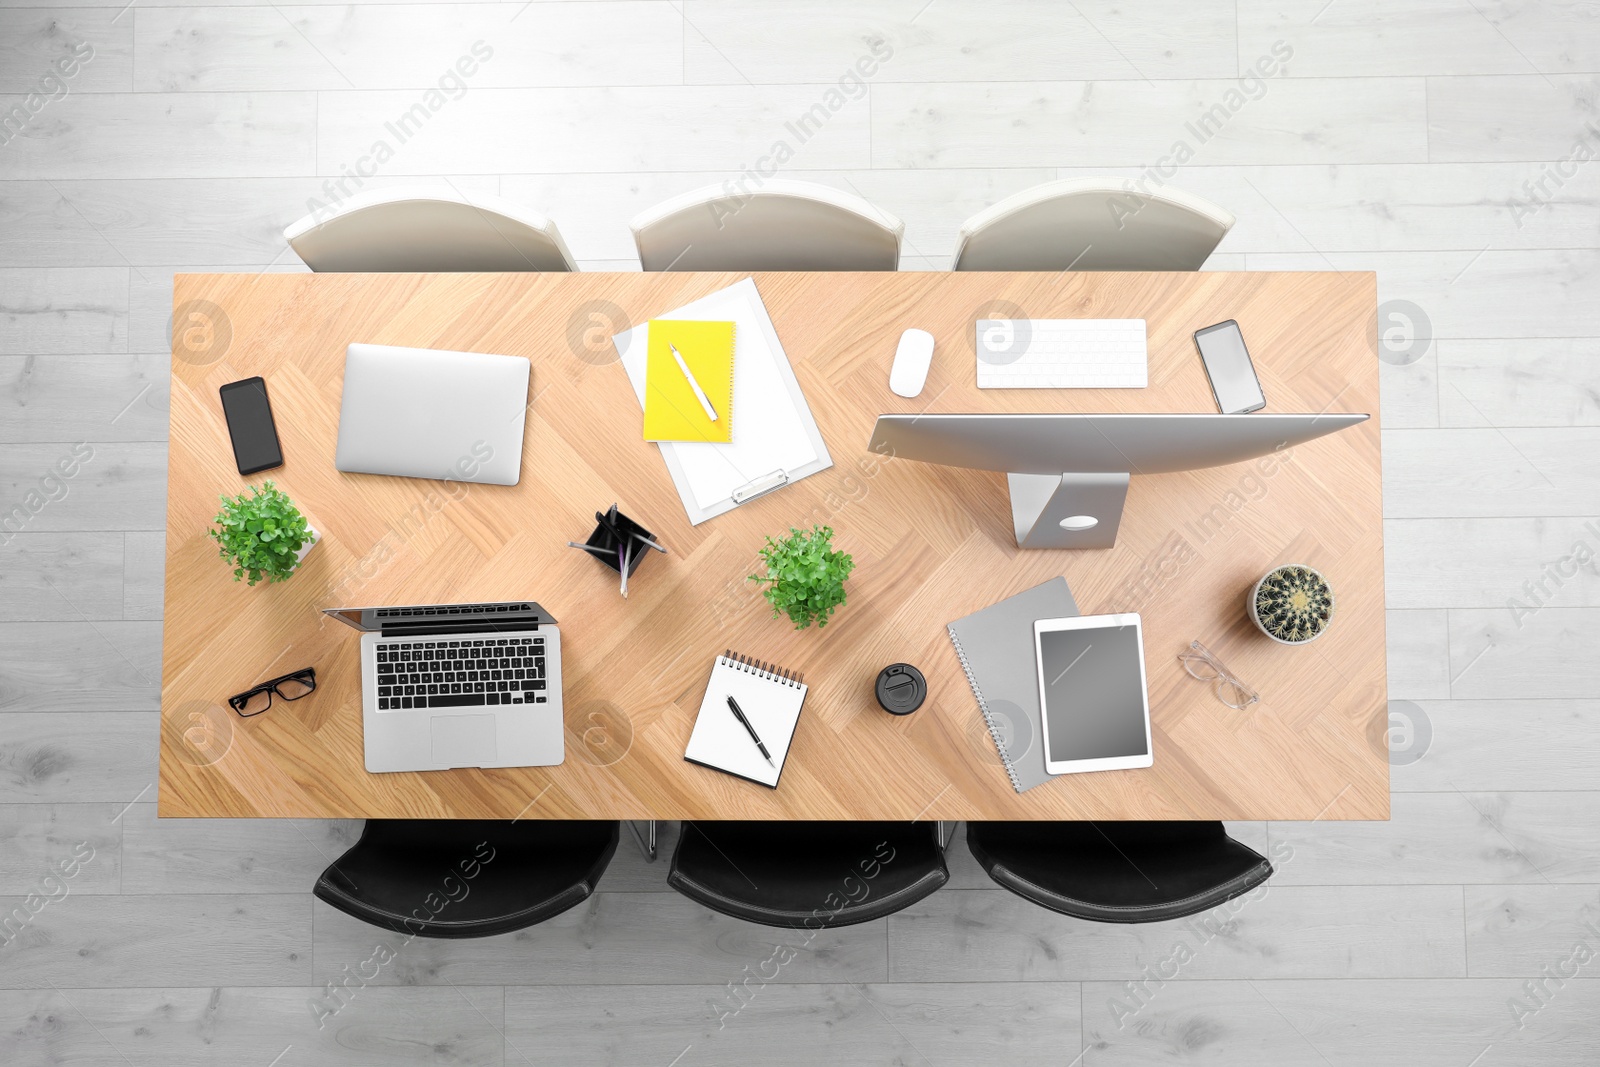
[647, 843]
[947, 831]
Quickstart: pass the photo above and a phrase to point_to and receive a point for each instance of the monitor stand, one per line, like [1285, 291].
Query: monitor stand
[1068, 510]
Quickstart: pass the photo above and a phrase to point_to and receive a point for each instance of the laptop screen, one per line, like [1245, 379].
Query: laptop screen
[442, 618]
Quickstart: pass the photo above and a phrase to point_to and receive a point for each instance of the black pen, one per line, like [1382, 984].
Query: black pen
[734, 705]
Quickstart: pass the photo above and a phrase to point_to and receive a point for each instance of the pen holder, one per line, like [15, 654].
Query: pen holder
[606, 541]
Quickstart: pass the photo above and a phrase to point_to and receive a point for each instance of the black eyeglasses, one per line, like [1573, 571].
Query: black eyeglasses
[289, 687]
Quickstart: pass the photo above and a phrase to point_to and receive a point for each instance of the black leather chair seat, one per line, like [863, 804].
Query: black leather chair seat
[1119, 872]
[468, 877]
[808, 874]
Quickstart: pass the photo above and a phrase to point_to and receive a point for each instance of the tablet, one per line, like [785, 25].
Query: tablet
[1096, 714]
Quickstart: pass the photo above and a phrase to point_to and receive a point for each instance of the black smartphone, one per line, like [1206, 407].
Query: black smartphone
[255, 435]
[1233, 377]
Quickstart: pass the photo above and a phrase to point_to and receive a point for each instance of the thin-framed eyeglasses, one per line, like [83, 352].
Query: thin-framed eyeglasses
[289, 687]
[1203, 664]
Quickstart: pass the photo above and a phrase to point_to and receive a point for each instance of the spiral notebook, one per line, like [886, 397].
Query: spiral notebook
[770, 698]
[996, 650]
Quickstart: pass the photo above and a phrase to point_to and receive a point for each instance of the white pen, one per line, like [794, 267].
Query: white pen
[699, 393]
[623, 554]
[641, 537]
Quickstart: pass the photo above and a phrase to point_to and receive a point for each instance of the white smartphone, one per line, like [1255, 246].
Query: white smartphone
[1233, 377]
[1096, 715]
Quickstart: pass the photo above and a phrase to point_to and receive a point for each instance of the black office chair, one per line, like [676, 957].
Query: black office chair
[808, 874]
[1118, 872]
[468, 877]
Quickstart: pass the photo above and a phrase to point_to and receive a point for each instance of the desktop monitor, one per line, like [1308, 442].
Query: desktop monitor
[1069, 473]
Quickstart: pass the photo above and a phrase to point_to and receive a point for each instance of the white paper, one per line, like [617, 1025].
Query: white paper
[772, 427]
[773, 708]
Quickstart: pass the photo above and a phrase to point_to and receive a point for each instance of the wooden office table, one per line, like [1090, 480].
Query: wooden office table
[931, 544]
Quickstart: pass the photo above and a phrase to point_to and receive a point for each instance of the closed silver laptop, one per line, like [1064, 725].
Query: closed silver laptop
[459, 685]
[428, 413]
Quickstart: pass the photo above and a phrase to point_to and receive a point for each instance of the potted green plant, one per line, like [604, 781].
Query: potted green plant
[1292, 604]
[805, 576]
[263, 535]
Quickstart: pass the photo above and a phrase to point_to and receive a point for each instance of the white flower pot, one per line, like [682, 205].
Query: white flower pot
[305, 549]
[1250, 604]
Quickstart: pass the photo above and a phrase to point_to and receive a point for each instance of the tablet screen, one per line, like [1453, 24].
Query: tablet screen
[1093, 693]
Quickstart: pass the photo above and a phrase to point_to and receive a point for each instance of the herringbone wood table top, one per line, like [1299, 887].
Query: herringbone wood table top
[931, 544]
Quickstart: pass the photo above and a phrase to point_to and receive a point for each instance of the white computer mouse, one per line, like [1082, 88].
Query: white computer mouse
[911, 361]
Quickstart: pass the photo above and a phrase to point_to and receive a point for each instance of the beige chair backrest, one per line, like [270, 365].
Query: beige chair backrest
[1092, 224]
[412, 230]
[784, 225]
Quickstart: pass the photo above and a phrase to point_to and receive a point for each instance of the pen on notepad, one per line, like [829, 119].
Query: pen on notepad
[699, 393]
[733, 705]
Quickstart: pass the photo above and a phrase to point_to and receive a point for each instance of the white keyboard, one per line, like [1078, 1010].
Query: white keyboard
[1062, 354]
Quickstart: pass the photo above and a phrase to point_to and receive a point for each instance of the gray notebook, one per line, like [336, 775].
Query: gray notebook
[995, 646]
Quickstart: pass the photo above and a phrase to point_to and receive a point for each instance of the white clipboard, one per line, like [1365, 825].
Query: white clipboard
[775, 439]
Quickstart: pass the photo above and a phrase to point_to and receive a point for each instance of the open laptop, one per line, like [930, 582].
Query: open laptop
[427, 413]
[459, 685]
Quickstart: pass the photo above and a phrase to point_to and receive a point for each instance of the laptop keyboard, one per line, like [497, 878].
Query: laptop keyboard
[436, 673]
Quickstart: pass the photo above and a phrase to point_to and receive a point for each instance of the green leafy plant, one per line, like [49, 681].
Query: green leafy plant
[261, 534]
[805, 576]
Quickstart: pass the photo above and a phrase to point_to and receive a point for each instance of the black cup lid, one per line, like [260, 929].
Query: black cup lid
[901, 688]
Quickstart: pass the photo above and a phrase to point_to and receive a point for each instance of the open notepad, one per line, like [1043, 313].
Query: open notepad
[775, 439]
[770, 698]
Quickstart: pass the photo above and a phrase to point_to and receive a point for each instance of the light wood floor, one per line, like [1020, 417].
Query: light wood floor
[1399, 139]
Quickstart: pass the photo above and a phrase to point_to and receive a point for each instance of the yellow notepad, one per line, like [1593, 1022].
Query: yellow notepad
[672, 412]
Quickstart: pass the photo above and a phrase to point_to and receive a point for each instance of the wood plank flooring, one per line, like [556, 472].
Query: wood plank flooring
[1433, 141]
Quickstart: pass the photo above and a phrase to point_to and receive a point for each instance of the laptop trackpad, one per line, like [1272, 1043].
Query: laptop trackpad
[463, 740]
